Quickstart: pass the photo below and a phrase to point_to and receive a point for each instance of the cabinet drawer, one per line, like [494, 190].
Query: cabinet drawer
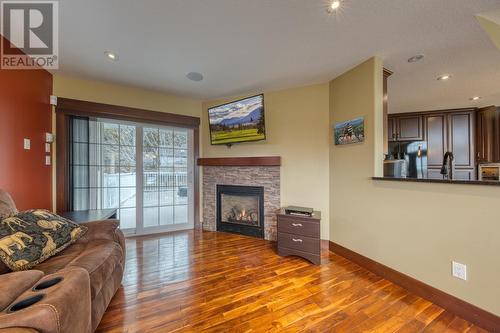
[298, 227]
[301, 243]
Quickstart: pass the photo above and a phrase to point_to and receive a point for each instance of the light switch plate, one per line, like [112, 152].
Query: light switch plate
[49, 137]
[27, 144]
[47, 160]
[47, 147]
[459, 270]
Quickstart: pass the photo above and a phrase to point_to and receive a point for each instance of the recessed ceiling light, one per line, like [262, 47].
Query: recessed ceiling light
[334, 5]
[444, 77]
[475, 98]
[195, 76]
[416, 58]
[111, 55]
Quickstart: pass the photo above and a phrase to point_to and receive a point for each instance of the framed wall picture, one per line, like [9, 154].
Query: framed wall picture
[350, 131]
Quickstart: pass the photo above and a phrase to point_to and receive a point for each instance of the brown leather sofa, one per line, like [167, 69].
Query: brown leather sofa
[87, 275]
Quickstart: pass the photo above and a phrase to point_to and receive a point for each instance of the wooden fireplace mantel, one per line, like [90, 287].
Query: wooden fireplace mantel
[241, 161]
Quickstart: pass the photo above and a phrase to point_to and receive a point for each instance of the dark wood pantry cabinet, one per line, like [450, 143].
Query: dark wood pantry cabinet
[488, 135]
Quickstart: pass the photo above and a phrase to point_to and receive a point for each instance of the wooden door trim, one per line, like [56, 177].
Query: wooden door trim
[91, 109]
[62, 164]
[387, 136]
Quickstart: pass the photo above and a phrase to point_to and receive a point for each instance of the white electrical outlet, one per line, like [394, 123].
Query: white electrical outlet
[459, 270]
[47, 147]
[48, 160]
[27, 144]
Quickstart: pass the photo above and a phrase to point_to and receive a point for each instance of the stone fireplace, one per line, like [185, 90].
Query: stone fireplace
[257, 176]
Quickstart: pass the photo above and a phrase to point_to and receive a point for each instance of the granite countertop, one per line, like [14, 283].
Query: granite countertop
[439, 181]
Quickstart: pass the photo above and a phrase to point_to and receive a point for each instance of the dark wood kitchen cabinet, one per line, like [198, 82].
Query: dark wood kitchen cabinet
[391, 128]
[488, 135]
[405, 128]
[451, 131]
[409, 128]
[436, 132]
[461, 138]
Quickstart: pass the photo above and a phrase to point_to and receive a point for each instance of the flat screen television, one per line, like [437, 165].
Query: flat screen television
[238, 121]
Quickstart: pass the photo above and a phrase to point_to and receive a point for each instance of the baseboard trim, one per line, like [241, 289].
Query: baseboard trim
[325, 245]
[465, 310]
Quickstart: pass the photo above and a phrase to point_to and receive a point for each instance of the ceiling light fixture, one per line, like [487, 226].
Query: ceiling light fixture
[334, 5]
[111, 55]
[194, 76]
[444, 77]
[475, 98]
[416, 58]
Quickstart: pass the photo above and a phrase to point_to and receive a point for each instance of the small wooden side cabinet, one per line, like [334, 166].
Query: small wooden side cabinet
[300, 236]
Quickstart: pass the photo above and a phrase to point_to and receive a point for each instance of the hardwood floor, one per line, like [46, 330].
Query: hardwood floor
[215, 282]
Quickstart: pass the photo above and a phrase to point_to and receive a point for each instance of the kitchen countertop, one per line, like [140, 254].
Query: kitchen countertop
[439, 181]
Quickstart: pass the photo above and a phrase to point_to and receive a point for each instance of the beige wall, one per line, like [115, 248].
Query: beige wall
[415, 228]
[101, 92]
[297, 130]
[491, 27]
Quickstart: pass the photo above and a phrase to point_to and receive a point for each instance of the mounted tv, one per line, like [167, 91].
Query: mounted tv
[238, 121]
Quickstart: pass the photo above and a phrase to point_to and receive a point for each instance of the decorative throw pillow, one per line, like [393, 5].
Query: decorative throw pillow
[31, 237]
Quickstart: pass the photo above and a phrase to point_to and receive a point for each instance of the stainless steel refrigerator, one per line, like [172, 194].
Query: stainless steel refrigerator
[414, 153]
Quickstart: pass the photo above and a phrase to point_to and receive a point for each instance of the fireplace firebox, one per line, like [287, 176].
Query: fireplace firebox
[240, 209]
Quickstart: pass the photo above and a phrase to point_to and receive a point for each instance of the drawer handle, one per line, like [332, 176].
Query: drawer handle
[297, 240]
[297, 224]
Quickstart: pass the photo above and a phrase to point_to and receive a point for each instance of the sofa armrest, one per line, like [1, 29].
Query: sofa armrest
[63, 307]
[14, 284]
[107, 230]
[104, 229]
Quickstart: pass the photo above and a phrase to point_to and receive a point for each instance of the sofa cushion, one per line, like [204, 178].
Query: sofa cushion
[31, 237]
[62, 259]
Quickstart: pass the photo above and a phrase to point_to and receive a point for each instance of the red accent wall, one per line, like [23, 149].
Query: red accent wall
[25, 112]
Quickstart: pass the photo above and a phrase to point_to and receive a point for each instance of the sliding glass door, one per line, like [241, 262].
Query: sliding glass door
[166, 183]
[145, 171]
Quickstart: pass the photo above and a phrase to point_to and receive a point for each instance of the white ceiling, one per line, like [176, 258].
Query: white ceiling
[260, 45]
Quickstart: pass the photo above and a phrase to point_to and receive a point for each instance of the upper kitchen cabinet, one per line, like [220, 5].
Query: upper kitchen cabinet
[488, 135]
[405, 127]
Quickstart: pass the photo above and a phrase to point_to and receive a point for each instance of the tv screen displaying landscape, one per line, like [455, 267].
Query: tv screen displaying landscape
[239, 121]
